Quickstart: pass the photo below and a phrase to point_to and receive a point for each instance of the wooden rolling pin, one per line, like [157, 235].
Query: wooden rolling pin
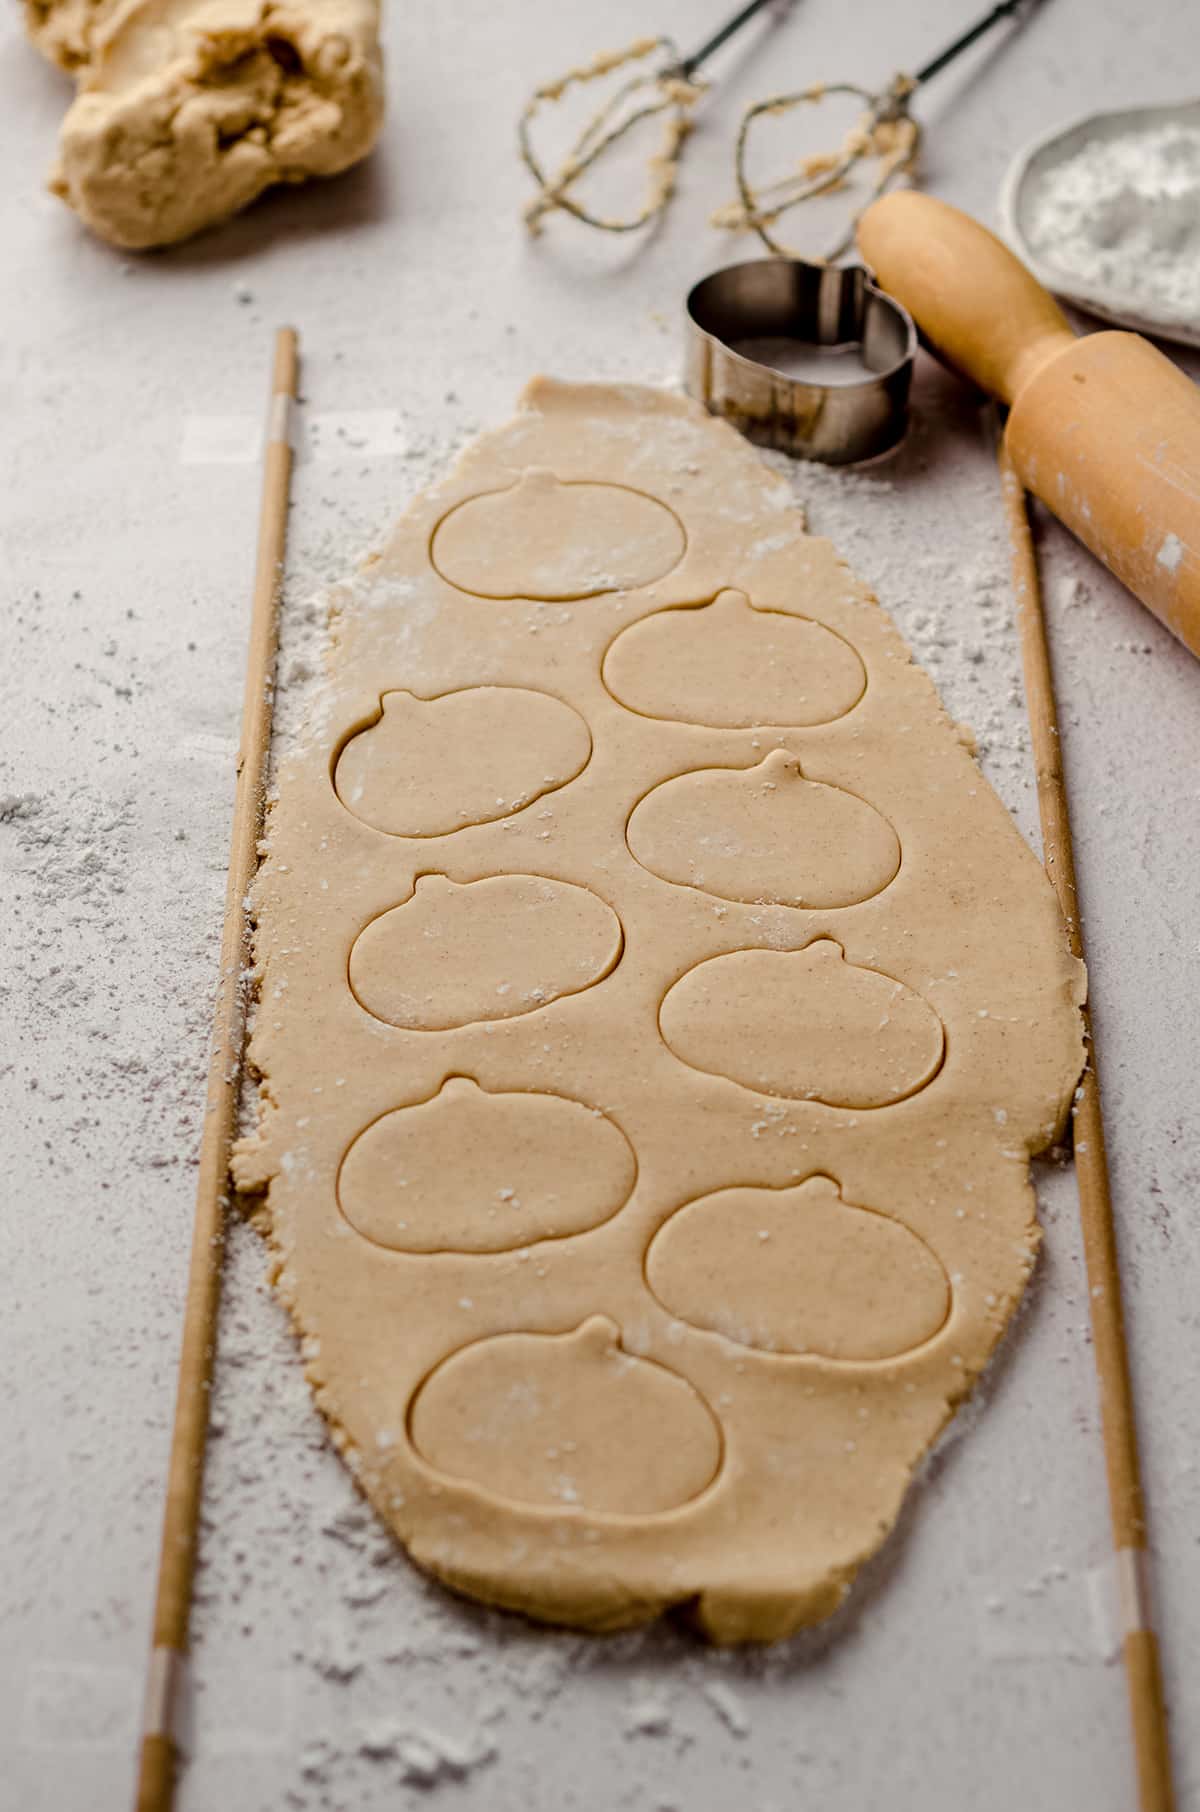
[1104, 429]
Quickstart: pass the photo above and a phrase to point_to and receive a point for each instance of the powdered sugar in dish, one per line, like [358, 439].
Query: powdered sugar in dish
[1122, 216]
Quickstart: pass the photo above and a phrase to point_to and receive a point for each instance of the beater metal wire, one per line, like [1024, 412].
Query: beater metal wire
[670, 88]
[886, 134]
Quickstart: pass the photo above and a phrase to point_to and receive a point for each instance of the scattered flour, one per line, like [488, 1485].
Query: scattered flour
[1170, 554]
[728, 1708]
[371, 1687]
[649, 1712]
[1123, 215]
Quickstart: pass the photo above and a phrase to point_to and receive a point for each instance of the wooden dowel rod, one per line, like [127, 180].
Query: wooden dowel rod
[1117, 1412]
[185, 1473]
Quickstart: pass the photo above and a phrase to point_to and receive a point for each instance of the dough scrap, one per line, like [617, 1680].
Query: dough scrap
[642, 1402]
[187, 110]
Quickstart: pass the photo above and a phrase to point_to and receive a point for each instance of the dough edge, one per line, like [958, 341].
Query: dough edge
[551, 1589]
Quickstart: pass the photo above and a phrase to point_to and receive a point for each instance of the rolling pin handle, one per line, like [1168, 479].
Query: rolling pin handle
[977, 303]
[1105, 430]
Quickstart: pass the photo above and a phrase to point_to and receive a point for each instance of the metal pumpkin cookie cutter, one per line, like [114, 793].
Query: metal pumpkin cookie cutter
[811, 359]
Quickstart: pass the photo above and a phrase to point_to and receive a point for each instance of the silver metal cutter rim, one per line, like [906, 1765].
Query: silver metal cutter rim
[814, 305]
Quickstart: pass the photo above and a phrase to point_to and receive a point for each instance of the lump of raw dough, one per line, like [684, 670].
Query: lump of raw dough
[64, 30]
[188, 109]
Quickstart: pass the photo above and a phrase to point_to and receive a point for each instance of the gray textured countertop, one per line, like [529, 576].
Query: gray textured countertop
[970, 1666]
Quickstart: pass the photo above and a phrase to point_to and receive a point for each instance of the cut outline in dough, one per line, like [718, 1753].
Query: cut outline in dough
[369, 723]
[771, 760]
[783, 1356]
[559, 597]
[799, 1506]
[519, 874]
[792, 616]
[759, 1092]
[617, 1519]
[465, 1252]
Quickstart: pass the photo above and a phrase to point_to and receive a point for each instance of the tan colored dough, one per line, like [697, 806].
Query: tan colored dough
[455, 953]
[536, 1418]
[805, 1023]
[641, 1401]
[765, 833]
[821, 1274]
[470, 1171]
[415, 771]
[545, 540]
[64, 30]
[188, 110]
[733, 665]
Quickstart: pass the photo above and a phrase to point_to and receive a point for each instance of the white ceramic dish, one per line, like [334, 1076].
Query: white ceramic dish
[1021, 184]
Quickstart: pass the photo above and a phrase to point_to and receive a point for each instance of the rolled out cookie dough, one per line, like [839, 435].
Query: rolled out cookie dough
[187, 110]
[656, 1024]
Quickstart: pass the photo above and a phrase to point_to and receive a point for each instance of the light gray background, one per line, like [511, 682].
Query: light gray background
[969, 1669]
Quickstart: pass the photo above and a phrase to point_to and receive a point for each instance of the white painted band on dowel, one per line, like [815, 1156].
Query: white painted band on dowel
[279, 426]
[168, 1699]
[1133, 1591]
[324, 435]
